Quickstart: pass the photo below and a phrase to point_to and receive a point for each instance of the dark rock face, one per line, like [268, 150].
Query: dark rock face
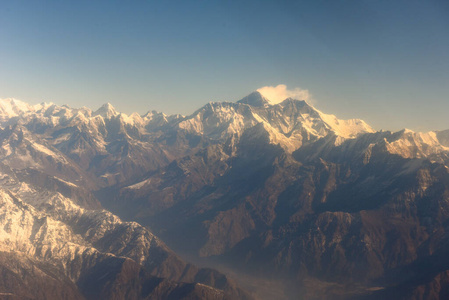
[23, 278]
[125, 279]
[351, 216]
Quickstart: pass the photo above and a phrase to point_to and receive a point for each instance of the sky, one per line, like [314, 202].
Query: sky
[386, 62]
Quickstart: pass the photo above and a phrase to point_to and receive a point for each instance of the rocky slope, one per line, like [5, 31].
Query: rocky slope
[330, 207]
[93, 250]
[347, 210]
[55, 240]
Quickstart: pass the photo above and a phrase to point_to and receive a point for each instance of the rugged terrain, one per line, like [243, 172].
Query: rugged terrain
[56, 240]
[281, 192]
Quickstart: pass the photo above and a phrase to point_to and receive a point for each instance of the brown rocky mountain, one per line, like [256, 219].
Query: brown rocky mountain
[329, 208]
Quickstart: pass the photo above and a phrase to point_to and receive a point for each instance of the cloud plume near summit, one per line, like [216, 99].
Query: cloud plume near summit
[277, 94]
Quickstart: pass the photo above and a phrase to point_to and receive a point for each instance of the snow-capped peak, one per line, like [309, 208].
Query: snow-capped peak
[255, 99]
[11, 107]
[42, 106]
[346, 128]
[106, 111]
[406, 130]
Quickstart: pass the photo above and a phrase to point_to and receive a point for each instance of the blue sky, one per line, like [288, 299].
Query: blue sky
[386, 62]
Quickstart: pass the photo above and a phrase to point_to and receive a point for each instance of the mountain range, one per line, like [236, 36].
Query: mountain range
[93, 202]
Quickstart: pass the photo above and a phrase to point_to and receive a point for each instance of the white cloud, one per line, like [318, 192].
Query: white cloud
[277, 94]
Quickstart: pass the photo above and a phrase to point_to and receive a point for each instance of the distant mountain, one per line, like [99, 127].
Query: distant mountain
[331, 208]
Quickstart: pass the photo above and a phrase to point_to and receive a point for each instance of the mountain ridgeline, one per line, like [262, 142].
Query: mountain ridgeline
[279, 193]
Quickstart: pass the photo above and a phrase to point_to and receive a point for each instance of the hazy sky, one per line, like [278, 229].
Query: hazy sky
[386, 62]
